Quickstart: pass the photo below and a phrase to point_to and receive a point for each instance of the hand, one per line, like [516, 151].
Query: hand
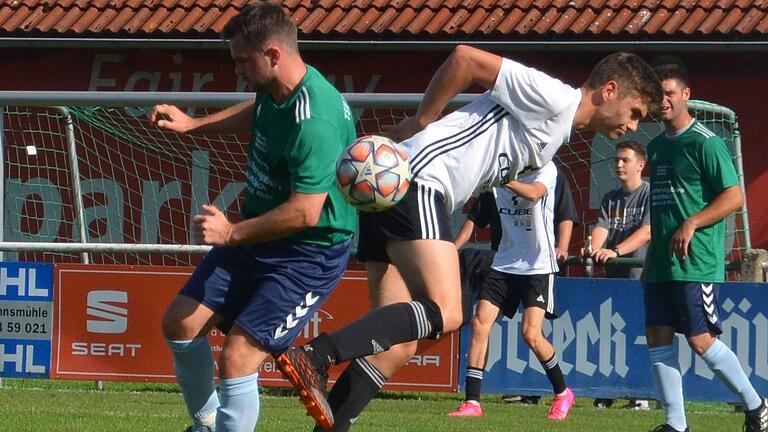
[602, 255]
[171, 118]
[212, 228]
[405, 129]
[561, 254]
[678, 245]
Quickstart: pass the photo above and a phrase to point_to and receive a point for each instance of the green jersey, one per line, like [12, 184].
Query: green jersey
[687, 172]
[294, 147]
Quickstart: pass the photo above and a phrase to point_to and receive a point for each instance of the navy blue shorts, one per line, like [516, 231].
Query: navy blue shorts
[269, 290]
[693, 308]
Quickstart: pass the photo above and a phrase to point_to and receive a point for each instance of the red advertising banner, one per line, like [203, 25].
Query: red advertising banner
[107, 327]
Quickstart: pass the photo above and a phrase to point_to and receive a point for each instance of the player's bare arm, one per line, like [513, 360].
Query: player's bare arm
[636, 240]
[530, 191]
[465, 66]
[464, 233]
[727, 202]
[235, 119]
[564, 230]
[299, 212]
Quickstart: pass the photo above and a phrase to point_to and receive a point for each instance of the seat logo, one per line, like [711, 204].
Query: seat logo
[109, 317]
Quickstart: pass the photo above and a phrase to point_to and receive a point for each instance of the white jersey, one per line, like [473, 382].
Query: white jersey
[527, 229]
[515, 128]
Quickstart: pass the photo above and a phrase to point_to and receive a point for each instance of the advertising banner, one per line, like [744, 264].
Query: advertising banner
[26, 303]
[599, 338]
[107, 327]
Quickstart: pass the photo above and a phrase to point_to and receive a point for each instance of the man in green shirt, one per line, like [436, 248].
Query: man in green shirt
[694, 186]
[269, 273]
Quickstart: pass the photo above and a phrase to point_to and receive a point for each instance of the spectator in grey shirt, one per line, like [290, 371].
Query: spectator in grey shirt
[624, 228]
[624, 225]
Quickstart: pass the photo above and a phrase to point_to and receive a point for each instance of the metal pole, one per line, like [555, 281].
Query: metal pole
[740, 167]
[103, 247]
[201, 99]
[77, 198]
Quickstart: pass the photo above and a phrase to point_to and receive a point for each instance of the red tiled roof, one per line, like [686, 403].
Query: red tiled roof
[397, 19]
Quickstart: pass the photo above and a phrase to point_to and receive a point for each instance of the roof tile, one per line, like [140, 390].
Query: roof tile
[492, 21]
[84, 22]
[14, 21]
[406, 18]
[172, 20]
[565, 20]
[66, 21]
[36, 15]
[474, 21]
[122, 17]
[510, 21]
[365, 22]
[137, 20]
[751, 19]
[329, 22]
[101, 22]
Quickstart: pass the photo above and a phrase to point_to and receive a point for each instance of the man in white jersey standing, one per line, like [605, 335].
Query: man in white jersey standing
[413, 270]
[523, 270]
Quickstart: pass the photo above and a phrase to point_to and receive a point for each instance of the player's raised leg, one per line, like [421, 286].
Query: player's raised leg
[363, 378]
[436, 307]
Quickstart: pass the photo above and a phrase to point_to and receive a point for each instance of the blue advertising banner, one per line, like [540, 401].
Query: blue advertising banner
[599, 338]
[26, 319]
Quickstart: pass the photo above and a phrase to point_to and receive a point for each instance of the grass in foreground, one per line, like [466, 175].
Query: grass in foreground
[41, 405]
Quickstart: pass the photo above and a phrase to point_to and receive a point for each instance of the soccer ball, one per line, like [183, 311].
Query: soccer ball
[373, 173]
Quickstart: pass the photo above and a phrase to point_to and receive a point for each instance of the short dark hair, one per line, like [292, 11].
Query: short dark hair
[672, 71]
[634, 146]
[632, 73]
[260, 22]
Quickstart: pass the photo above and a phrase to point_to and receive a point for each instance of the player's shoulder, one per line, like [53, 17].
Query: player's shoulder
[318, 101]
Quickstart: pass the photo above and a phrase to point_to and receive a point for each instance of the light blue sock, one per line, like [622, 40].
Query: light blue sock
[239, 410]
[669, 381]
[726, 366]
[193, 362]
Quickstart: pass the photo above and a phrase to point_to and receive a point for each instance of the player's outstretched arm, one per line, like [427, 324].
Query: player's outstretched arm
[235, 119]
[465, 66]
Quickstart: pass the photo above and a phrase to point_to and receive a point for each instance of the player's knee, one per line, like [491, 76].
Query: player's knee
[700, 344]
[481, 326]
[404, 352]
[451, 317]
[434, 316]
[171, 326]
[532, 337]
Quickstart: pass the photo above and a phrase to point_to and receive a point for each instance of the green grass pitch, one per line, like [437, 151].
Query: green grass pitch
[42, 405]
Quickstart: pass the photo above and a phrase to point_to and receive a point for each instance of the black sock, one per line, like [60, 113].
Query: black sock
[555, 375]
[380, 329]
[357, 385]
[474, 383]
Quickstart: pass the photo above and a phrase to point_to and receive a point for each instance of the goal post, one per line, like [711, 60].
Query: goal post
[86, 173]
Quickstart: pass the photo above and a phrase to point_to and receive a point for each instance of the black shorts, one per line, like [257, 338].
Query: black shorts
[474, 265]
[506, 291]
[420, 215]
